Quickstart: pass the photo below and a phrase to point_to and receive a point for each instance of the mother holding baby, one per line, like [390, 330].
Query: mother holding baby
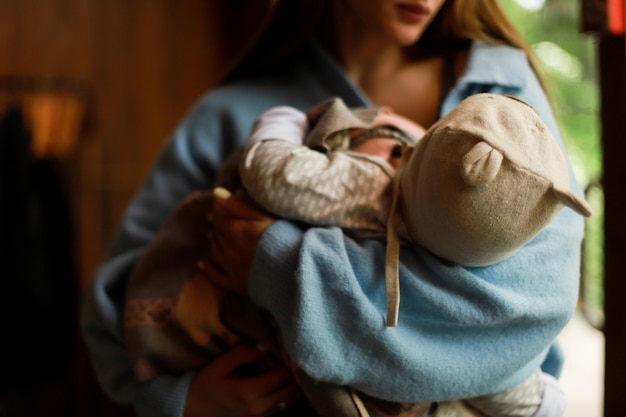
[463, 331]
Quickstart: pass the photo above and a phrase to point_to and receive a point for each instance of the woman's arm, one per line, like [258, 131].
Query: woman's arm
[101, 317]
[188, 163]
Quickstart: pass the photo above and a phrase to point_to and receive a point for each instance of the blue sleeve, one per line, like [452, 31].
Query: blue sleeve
[188, 163]
[100, 321]
[462, 332]
[220, 123]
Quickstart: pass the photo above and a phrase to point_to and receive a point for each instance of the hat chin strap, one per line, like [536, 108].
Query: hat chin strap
[392, 279]
[394, 220]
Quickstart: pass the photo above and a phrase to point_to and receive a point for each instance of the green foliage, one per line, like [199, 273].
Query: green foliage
[568, 60]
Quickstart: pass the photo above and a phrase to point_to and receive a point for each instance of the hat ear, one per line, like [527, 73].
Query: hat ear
[574, 202]
[481, 164]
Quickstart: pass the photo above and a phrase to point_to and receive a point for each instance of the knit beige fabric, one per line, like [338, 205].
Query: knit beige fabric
[482, 182]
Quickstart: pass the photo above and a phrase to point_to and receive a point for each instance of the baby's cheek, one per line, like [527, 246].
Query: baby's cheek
[380, 147]
[394, 161]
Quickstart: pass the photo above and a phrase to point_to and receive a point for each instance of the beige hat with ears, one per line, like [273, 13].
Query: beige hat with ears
[482, 182]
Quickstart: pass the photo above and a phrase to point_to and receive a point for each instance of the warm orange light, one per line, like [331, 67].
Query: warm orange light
[615, 12]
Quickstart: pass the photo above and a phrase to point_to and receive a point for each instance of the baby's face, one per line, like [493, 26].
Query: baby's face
[387, 148]
[386, 117]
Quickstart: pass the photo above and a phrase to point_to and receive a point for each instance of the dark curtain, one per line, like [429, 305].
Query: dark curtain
[38, 324]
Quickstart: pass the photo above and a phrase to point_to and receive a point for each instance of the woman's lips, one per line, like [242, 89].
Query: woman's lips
[413, 12]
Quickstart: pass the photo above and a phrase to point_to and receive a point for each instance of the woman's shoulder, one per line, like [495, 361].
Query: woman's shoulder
[248, 95]
[302, 80]
[502, 65]
[234, 106]
[239, 98]
[497, 69]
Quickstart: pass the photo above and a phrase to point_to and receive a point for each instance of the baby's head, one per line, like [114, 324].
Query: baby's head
[374, 131]
[483, 181]
[389, 134]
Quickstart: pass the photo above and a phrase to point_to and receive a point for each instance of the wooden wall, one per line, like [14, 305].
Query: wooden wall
[143, 63]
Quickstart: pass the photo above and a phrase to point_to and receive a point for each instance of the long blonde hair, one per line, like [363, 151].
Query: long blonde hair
[460, 21]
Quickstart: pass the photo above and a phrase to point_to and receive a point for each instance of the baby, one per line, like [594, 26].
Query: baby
[482, 182]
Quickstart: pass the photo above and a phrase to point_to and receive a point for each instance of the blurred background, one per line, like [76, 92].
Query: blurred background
[91, 89]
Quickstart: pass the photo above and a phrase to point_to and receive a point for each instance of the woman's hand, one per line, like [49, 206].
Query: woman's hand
[237, 228]
[219, 391]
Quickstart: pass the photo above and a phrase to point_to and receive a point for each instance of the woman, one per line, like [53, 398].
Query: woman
[421, 58]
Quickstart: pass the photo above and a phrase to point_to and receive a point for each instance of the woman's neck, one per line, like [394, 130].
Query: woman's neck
[364, 54]
[384, 70]
[370, 67]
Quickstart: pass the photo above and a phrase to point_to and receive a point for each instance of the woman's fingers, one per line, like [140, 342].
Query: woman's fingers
[219, 389]
[269, 392]
[240, 207]
[285, 394]
[218, 276]
[238, 356]
[236, 230]
[268, 382]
